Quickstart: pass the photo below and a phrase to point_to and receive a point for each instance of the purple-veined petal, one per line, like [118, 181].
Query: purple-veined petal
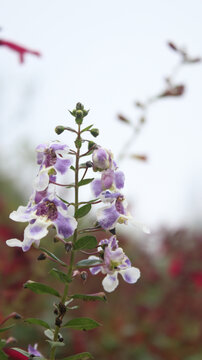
[62, 165]
[58, 147]
[96, 187]
[110, 282]
[130, 275]
[42, 180]
[40, 195]
[65, 225]
[107, 217]
[108, 196]
[14, 242]
[119, 179]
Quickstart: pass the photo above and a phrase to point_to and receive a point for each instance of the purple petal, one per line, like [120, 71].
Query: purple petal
[38, 230]
[62, 165]
[107, 217]
[33, 350]
[119, 179]
[96, 187]
[65, 225]
[39, 195]
[130, 275]
[107, 178]
[59, 146]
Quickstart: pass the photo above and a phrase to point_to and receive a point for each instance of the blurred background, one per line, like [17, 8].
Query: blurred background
[114, 57]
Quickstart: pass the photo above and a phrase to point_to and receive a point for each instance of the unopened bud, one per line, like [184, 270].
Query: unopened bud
[79, 106]
[17, 316]
[58, 322]
[91, 144]
[60, 339]
[42, 256]
[56, 311]
[62, 308]
[84, 275]
[68, 246]
[59, 129]
[89, 164]
[94, 132]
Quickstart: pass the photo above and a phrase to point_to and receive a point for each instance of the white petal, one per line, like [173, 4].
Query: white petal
[130, 275]
[110, 282]
[14, 242]
[38, 230]
[42, 180]
[22, 214]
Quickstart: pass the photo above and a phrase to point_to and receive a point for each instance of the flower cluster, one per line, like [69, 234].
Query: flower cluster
[107, 188]
[114, 262]
[44, 208]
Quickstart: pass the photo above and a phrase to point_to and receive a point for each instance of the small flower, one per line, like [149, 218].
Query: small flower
[32, 350]
[114, 262]
[52, 159]
[102, 159]
[40, 215]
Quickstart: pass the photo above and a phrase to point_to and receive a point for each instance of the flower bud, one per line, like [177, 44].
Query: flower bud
[94, 132]
[68, 246]
[42, 256]
[59, 129]
[91, 144]
[79, 106]
[102, 159]
[58, 322]
[84, 275]
[89, 164]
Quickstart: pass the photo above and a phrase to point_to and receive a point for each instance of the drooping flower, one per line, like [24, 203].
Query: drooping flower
[50, 211]
[102, 159]
[114, 262]
[52, 159]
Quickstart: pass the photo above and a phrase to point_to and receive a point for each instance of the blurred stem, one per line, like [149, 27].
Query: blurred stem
[71, 265]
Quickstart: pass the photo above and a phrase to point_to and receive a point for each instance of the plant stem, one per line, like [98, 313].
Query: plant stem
[71, 265]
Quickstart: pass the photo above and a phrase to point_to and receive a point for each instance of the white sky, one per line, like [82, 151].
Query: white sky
[106, 54]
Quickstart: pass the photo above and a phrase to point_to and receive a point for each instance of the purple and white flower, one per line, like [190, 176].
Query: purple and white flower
[102, 159]
[52, 159]
[110, 179]
[114, 262]
[32, 350]
[50, 211]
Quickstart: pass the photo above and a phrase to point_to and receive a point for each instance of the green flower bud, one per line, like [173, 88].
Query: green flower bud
[59, 129]
[78, 143]
[94, 132]
[91, 144]
[79, 106]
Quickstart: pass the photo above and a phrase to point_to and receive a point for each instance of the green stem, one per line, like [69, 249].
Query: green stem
[71, 265]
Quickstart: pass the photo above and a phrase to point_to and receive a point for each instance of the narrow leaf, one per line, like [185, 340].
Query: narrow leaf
[88, 262]
[85, 181]
[87, 128]
[6, 328]
[90, 297]
[82, 324]
[72, 167]
[86, 242]
[53, 256]
[60, 275]
[23, 352]
[37, 322]
[39, 288]
[81, 356]
[82, 211]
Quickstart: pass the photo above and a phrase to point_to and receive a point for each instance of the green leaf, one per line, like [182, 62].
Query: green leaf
[86, 242]
[60, 275]
[39, 288]
[3, 356]
[81, 356]
[37, 322]
[6, 328]
[87, 128]
[82, 211]
[64, 201]
[85, 181]
[23, 352]
[82, 324]
[53, 257]
[72, 168]
[55, 343]
[89, 262]
[90, 297]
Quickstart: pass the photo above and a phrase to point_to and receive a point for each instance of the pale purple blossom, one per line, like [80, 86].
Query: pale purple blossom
[114, 262]
[110, 179]
[50, 211]
[32, 350]
[53, 159]
[102, 159]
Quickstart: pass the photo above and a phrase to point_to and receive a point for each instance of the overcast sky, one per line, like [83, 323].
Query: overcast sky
[107, 54]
